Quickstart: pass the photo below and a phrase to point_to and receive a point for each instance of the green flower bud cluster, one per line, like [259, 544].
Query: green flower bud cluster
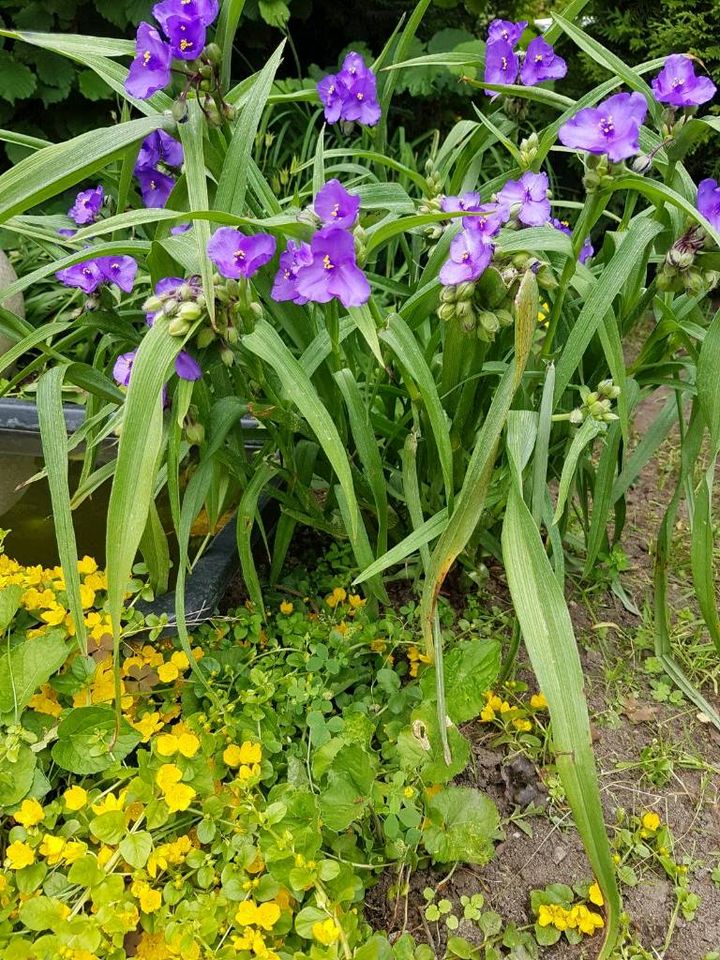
[433, 231]
[482, 307]
[433, 178]
[183, 307]
[681, 269]
[598, 403]
[528, 150]
[599, 172]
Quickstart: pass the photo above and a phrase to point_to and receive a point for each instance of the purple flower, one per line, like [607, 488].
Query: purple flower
[465, 201]
[186, 36]
[180, 228]
[361, 102]
[86, 276]
[587, 248]
[237, 255]
[203, 10]
[527, 198]
[333, 271]
[679, 85]
[150, 70]
[118, 270]
[187, 367]
[66, 232]
[350, 94]
[541, 63]
[587, 251]
[708, 201]
[155, 187]
[123, 368]
[87, 206]
[159, 147]
[501, 64]
[469, 256]
[332, 93]
[334, 205]
[292, 260]
[613, 127]
[505, 30]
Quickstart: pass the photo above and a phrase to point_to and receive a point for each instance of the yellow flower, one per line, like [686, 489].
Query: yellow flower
[75, 797]
[247, 753]
[52, 848]
[73, 850]
[250, 914]
[180, 660]
[150, 900]
[326, 931]
[110, 803]
[595, 895]
[45, 702]
[168, 672]
[337, 596]
[148, 725]
[545, 915]
[54, 615]
[356, 601]
[30, 813]
[522, 725]
[168, 776]
[169, 743]
[487, 713]
[19, 855]
[97, 581]
[538, 701]
[409, 792]
[179, 797]
[104, 855]
[87, 565]
[286, 608]
[87, 596]
[650, 822]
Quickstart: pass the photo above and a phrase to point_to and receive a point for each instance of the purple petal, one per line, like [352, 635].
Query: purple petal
[155, 187]
[505, 30]
[237, 255]
[360, 103]
[123, 368]
[119, 270]
[186, 36]
[159, 147]
[334, 205]
[187, 367]
[332, 93]
[501, 64]
[87, 206]
[86, 276]
[203, 10]
[541, 63]
[150, 70]
[678, 84]
[708, 201]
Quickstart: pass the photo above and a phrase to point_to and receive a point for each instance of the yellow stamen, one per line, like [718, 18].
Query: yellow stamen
[327, 262]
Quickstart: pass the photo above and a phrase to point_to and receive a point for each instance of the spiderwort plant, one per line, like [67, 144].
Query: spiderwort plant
[426, 343]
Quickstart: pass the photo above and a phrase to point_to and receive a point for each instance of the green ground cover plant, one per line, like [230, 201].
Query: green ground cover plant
[436, 361]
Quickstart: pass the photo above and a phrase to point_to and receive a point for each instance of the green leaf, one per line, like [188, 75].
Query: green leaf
[26, 666]
[708, 382]
[42, 913]
[16, 777]
[88, 741]
[55, 168]
[265, 342]
[584, 436]
[463, 824]
[109, 827]
[276, 13]
[420, 747]
[233, 182]
[547, 629]
[136, 848]
[93, 87]
[16, 80]
[9, 604]
[470, 669]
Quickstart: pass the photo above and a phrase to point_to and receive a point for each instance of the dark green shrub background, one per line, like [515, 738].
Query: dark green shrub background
[45, 95]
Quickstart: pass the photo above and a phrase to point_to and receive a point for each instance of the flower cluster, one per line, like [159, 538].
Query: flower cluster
[87, 206]
[503, 62]
[472, 249]
[518, 716]
[184, 23]
[351, 94]
[91, 274]
[578, 917]
[159, 155]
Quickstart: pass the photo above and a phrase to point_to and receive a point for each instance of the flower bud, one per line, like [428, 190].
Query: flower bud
[448, 294]
[170, 308]
[528, 149]
[446, 311]
[179, 111]
[257, 310]
[189, 312]
[680, 258]
[465, 291]
[205, 338]
[195, 433]
[694, 282]
[152, 304]
[642, 163]
[489, 322]
[212, 53]
[206, 71]
[229, 111]
[185, 292]
[505, 318]
[178, 327]
[227, 356]
[607, 388]
[232, 335]
[577, 416]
